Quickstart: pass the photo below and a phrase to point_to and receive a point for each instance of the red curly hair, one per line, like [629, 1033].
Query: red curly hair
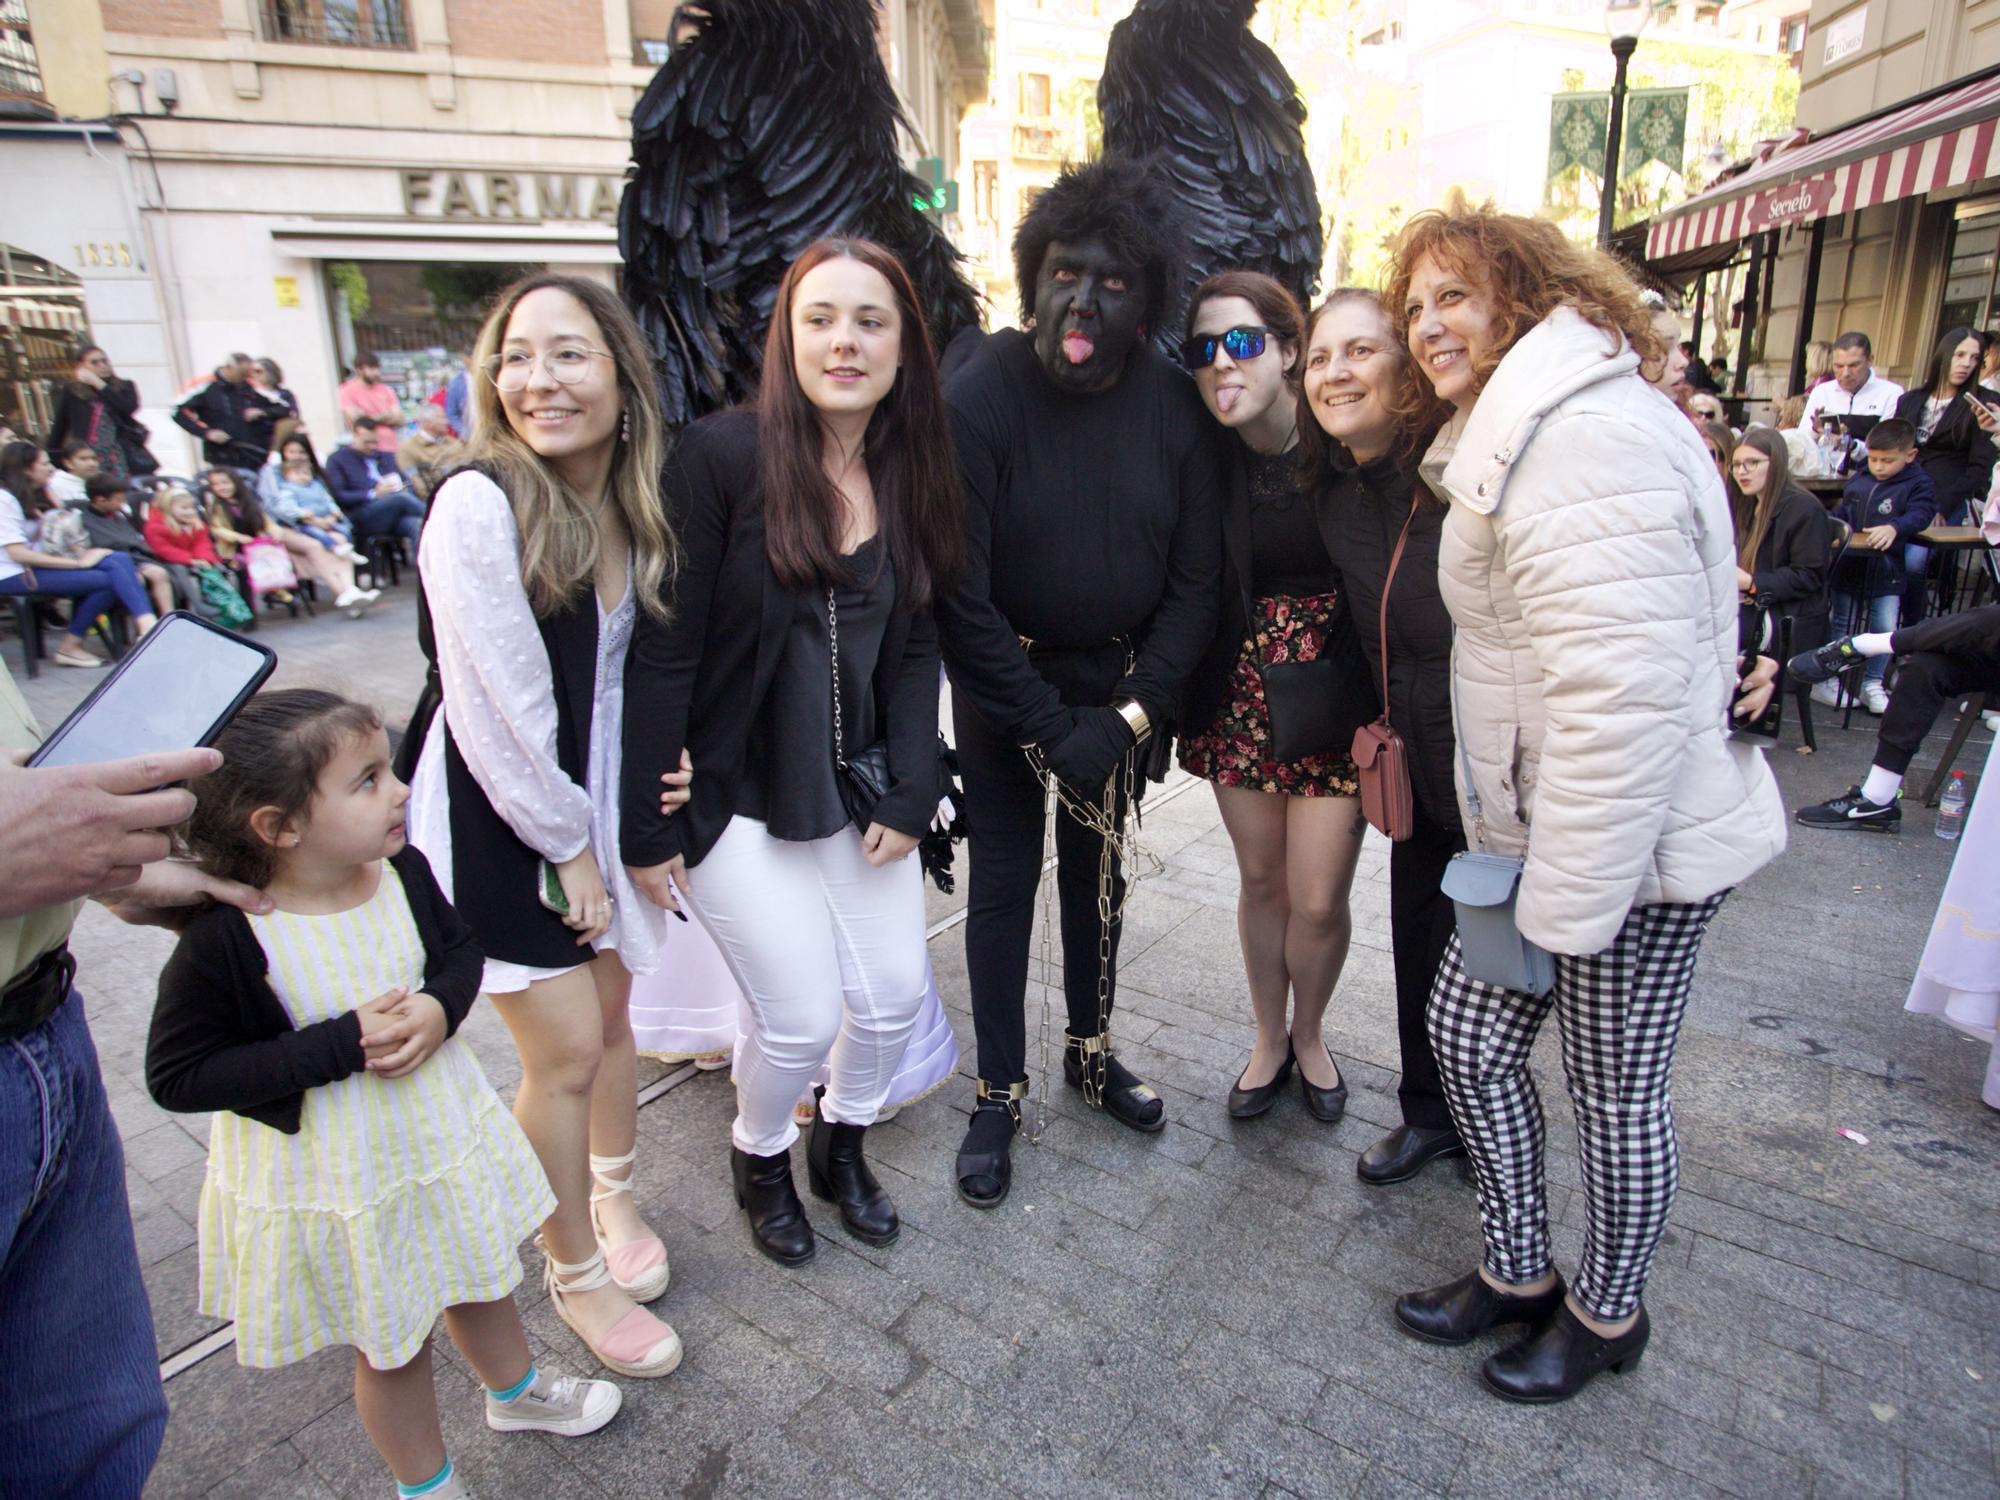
[1530, 269]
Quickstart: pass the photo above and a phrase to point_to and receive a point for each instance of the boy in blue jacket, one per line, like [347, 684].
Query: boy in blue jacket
[1887, 507]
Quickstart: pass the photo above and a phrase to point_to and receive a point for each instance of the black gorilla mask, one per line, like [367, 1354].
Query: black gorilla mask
[1089, 303]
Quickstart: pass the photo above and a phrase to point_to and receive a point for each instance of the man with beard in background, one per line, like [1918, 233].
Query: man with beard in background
[1093, 565]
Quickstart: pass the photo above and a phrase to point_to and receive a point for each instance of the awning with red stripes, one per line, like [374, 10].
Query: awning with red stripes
[51, 317]
[1936, 142]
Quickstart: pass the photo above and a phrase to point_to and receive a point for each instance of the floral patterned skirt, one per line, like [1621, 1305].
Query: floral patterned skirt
[1234, 750]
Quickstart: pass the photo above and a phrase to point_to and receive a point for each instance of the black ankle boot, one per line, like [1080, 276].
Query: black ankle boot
[985, 1167]
[1460, 1311]
[1109, 1085]
[778, 1220]
[838, 1174]
[1557, 1361]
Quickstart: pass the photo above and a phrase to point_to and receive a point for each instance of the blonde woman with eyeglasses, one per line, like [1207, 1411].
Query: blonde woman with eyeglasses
[537, 563]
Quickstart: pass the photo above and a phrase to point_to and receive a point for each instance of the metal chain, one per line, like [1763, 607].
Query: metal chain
[833, 651]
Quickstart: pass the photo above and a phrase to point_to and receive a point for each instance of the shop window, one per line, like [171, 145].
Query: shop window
[1970, 298]
[336, 23]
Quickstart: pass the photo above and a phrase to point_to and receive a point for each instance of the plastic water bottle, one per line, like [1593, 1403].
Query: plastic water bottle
[1951, 808]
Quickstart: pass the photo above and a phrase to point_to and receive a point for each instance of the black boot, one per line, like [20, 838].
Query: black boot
[778, 1220]
[1109, 1085]
[838, 1174]
[1404, 1152]
[1460, 1311]
[1559, 1360]
[985, 1166]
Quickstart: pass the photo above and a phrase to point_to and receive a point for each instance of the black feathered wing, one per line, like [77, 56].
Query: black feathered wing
[772, 124]
[1186, 83]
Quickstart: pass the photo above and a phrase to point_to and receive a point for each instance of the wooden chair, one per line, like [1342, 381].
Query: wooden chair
[1968, 719]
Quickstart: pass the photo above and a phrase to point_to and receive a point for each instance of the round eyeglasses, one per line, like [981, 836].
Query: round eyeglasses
[512, 369]
[1198, 353]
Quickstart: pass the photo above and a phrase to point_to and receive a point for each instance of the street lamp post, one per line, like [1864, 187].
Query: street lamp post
[1623, 21]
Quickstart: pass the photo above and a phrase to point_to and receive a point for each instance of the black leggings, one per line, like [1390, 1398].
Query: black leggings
[1003, 803]
[1421, 922]
[1943, 659]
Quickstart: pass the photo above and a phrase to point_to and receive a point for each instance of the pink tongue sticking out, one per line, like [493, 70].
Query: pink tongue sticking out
[1227, 397]
[1078, 347]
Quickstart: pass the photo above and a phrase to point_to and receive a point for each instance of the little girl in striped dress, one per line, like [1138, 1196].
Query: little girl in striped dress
[363, 1177]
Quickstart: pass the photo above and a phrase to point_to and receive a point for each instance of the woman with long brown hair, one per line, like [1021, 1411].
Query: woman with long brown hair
[536, 566]
[800, 672]
[1287, 796]
[1784, 545]
[1589, 564]
[1369, 416]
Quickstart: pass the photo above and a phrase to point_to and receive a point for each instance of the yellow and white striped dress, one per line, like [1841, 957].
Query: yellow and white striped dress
[397, 1198]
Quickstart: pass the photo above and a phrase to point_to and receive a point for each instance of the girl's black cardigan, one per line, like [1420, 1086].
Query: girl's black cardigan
[221, 1040]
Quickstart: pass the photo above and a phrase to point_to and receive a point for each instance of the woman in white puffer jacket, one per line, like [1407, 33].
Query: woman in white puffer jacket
[1589, 566]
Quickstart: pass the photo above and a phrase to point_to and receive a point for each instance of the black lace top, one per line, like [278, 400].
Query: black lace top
[1287, 554]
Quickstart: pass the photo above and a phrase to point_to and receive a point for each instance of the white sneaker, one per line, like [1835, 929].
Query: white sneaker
[452, 1489]
[566, 1405]
[1827, 695]
[1874, 698]
[1992, 720]
[344, 550]
[348, 597]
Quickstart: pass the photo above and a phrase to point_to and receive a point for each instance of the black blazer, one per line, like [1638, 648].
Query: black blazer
[220, 1038]
[700, 680]
[1959, 456]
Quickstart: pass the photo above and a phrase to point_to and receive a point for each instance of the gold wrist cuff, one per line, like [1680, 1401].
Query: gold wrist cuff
[1135, 718]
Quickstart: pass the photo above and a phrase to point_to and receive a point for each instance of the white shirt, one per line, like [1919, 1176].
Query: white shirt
[1876, 398]
[13, 533]
[67, 488]
[500, 710]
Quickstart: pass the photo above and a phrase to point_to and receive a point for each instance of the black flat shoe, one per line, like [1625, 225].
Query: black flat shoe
[1560, 1360]
[778, 1221]
[838, 1174]
[1325, 1105]
[1460, 1311]
[1107, 1084]
[985, 1167]
[1247, 1104]
[1404, 1152]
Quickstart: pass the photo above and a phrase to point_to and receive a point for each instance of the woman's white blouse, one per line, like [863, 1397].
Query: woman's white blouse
[500, 708]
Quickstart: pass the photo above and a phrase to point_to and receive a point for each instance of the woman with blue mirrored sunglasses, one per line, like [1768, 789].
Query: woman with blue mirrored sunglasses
[1247, 342]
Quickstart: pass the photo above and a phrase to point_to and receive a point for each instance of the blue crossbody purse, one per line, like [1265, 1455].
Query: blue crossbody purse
[1483, 887]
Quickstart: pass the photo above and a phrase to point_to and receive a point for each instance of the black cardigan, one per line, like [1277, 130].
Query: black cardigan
[698, 681]
[1360, 515]
[1797, 550]
[221, 1039]
[1958, 456]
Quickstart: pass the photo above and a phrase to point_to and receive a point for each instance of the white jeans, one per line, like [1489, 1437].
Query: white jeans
[829, 952]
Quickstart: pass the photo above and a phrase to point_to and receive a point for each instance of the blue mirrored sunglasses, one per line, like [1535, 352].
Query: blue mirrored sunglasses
[1198, 353]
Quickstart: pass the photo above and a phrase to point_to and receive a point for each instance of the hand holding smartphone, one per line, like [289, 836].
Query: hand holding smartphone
[173, 691]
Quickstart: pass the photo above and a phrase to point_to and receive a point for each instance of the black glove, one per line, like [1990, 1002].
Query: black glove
[1097, 740]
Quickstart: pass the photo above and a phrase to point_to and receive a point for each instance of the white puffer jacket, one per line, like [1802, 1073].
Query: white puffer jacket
[1589, 564]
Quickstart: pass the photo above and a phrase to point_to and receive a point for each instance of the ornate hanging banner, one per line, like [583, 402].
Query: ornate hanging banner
[1577, 123]
[1655, 129]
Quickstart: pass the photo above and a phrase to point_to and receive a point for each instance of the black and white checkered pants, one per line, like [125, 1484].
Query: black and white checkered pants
[1620, 1014]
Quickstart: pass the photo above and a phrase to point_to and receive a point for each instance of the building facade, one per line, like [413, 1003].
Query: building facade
[1905, 270]
[306, 179]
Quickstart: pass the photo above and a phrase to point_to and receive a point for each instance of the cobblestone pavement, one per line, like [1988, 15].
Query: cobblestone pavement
[1206, 1312]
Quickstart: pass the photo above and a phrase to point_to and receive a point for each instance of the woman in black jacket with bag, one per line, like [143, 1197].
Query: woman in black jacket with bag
[1371, 416]
[1275, 702]
[1952, 445]
[1784, 544]
[800, 674]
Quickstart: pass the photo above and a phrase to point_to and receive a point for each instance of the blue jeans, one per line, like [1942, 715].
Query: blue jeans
[391, 515]
[114, 581]
[330, 540]
[81, 1409]
[1880, 612]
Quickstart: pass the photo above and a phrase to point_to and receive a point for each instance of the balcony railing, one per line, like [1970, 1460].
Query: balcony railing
[336, 23]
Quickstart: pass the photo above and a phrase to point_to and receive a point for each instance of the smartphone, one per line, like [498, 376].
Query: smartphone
[173, 691]
[550, 888]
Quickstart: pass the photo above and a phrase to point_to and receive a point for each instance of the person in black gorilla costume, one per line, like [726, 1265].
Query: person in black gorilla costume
[1093, 563]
